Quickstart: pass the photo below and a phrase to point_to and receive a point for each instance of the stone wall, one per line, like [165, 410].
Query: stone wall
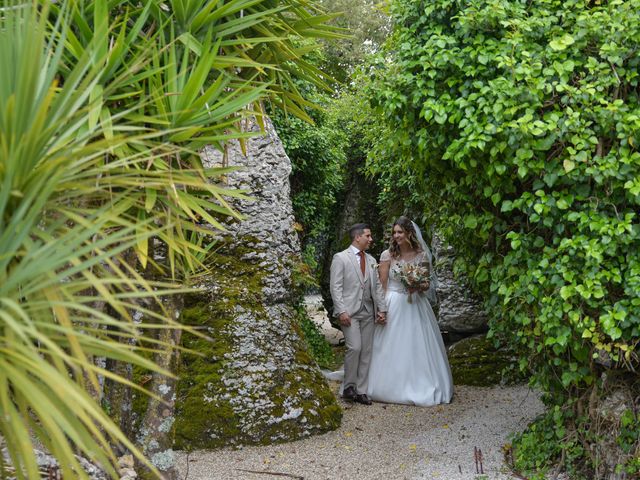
[460, 312]
[253, 381]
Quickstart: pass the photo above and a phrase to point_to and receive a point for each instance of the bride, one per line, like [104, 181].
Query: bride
[409, 363]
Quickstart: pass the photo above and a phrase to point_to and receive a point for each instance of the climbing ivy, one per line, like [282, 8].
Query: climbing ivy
[515, 125]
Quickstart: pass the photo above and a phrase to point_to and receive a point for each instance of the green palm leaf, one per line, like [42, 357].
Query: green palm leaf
[102, 115]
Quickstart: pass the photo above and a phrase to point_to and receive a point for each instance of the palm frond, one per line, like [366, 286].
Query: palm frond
[103, 110]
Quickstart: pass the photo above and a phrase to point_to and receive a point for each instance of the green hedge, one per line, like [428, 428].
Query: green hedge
[515, 126]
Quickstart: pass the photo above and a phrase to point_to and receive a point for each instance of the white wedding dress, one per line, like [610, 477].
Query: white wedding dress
[409, 363]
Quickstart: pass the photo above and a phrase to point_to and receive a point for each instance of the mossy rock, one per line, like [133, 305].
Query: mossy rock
[252, 380]
[476, 361]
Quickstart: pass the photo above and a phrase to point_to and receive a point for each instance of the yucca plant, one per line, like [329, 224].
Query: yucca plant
[191, 70]
[103, 106]
[57, 254]
[67, 217]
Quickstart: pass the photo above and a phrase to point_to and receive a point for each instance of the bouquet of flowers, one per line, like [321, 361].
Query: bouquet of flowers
[414, 277]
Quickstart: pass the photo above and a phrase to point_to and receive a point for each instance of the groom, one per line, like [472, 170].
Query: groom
[357, 295]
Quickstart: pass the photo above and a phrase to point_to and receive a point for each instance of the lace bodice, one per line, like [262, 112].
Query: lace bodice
[394, 284]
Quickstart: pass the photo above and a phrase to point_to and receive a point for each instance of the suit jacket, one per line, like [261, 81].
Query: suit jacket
[348, 284]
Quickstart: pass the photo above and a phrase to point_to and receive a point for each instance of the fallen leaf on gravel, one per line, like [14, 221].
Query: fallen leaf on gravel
[412, 447]
[348, 434]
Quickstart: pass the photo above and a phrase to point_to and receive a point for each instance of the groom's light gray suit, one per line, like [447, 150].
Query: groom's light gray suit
[361, 297]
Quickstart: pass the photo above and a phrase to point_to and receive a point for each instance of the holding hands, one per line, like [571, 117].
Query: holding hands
[345, 319]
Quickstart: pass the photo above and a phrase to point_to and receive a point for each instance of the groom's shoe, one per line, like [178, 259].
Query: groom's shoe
[350, 394]
[363, 399]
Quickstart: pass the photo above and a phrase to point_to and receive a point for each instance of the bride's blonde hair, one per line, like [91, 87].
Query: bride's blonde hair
[407, 226]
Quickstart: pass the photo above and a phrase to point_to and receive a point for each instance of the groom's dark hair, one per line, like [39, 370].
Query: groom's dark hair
[357, 229]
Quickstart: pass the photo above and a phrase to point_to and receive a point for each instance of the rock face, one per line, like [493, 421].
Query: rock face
[253, 381]
[459, 311]
[358, 204]
[476, 361]
[617, 420]
[49, 466]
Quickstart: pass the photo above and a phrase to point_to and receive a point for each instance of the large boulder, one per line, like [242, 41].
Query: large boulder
[459, 310]
[477, 361]
[252, 381]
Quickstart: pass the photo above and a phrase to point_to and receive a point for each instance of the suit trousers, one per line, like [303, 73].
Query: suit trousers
[359, 342]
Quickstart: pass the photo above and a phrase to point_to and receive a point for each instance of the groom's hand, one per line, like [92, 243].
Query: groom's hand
[345, 319]
[382, 318]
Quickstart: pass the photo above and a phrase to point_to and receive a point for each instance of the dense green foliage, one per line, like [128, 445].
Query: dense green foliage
[319, 349]
[323, 156]
[317, 161]
[515, 126]
[323, 153]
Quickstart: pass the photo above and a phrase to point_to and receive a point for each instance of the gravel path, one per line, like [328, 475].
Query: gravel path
[388, 442]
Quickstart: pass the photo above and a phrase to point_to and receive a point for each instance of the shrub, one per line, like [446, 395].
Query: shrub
[515, 126]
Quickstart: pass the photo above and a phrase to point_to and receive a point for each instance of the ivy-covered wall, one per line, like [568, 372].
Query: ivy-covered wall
[515, 125]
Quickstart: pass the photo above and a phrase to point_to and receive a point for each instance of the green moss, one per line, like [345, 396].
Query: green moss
[217, 404]
[476, 361]
[139, 400]
[318, 405]
[206, 421]
[199, 372]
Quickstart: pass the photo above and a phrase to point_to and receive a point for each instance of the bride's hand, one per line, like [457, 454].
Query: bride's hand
[422, 288]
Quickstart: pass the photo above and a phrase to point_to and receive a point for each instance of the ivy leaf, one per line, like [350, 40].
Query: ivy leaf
[568, 165]
[561, 43]
[567, 292]
[470, 221]
[507, 206]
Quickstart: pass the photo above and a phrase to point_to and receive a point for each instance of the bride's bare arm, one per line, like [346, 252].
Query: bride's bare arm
[383, 273]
